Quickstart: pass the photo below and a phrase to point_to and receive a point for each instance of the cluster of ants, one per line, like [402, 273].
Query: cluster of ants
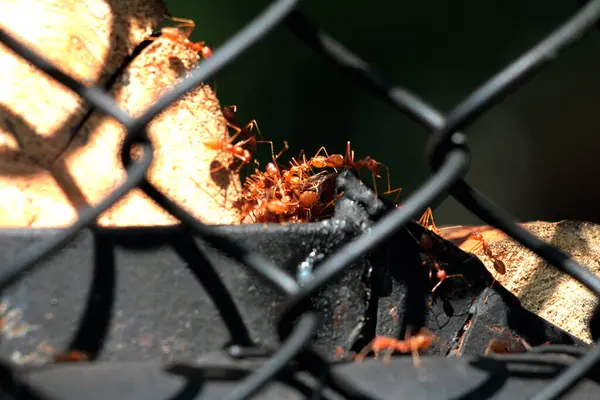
[299, 194]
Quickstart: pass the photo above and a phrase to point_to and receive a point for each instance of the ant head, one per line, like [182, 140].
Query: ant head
[441, 274]
[229, 112]
[477, 236]
[272, 169]
[372, 164]
[206, 52]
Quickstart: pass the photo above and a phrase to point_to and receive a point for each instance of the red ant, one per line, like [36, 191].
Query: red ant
[304, 188]
[426, 220]
[442, 275]
[370, 164]
[426, 244]
[412, 344]
[499, 265]
[71, 356]
[235, 149]
[181, 32]
[507, 343]
[338, 161]
[332, 161]
[339, 352]
[285, 195]
[230, 114]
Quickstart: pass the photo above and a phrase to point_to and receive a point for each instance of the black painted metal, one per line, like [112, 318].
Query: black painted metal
[356, 257]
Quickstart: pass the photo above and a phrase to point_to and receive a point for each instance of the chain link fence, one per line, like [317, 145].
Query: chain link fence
[447, 152]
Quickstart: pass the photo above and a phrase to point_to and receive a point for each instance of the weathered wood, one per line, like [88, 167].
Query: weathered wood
[56, 157]
[542, 288]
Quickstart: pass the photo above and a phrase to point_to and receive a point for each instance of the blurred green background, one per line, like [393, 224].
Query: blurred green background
[533, 154]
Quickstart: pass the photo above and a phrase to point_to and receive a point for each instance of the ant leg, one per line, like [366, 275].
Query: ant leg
[239, 168]
[220, 167]
[474, 248]
[233, 111]
[252, 124]
[275, 157]
[237, 130]
[185, 25]
[375, 184]
[432, 225]
[477, 236]
[424, 221]
[438, 269]
[430, 273]
[494, 281]
[387, 355]
[442, 277]
[427, 221]
[363, 353]
[387, 169]
[488, 348]
[285, 148]
[243, 142]
[424, 218]
[321, 149]
[436, 339]
[415, 354]
[349, 158]
[333, 201]
[399, 191]
[246, 129]
[438, 284]
[243, 159]
[184, 21]
[301, 154]
[376, 353]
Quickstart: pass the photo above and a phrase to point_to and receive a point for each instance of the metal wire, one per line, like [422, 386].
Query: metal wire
[447, 152]
[306, 327]
[492, 91]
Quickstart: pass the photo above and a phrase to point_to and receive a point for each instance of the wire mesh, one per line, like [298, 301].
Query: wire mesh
[447, 152]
